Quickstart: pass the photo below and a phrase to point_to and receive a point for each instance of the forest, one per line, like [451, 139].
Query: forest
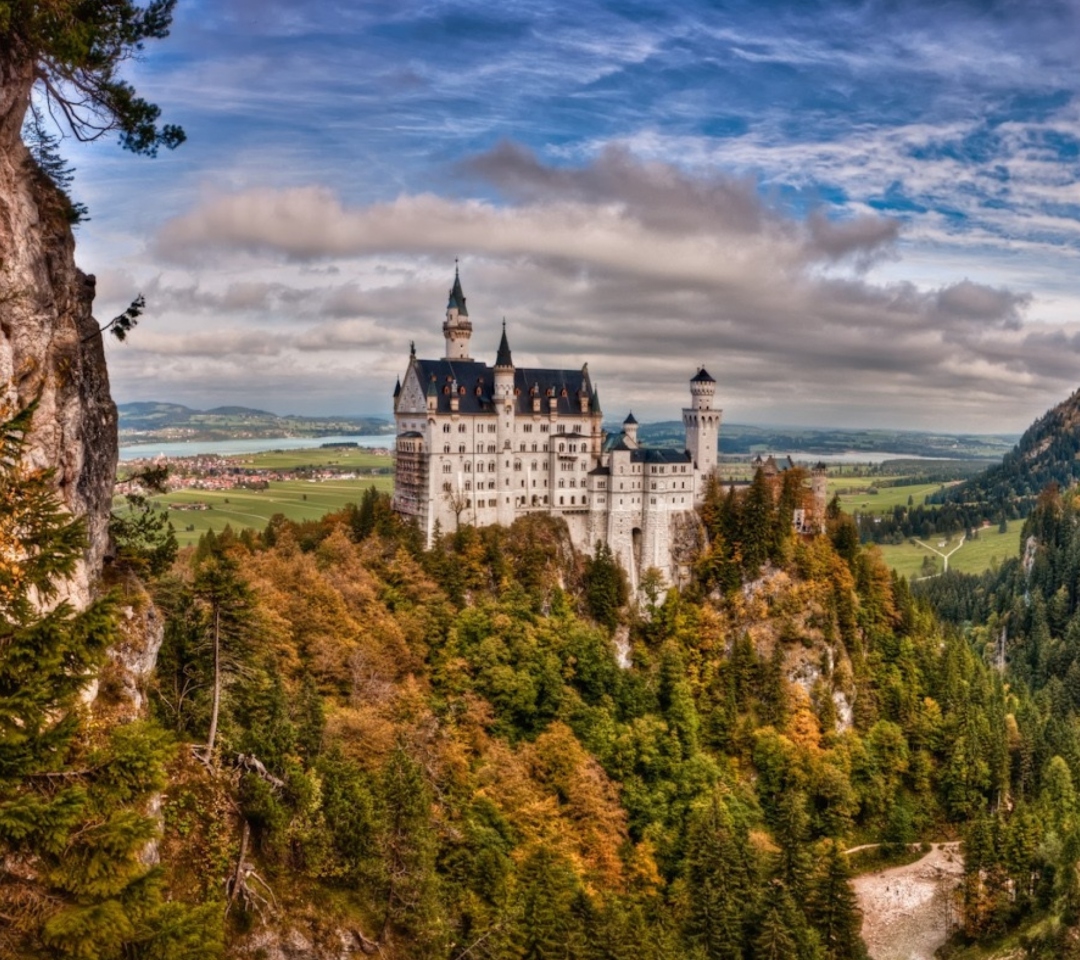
[488, 749]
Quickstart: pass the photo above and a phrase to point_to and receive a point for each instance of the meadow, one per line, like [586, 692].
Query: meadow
[296, 499]
[974, 556]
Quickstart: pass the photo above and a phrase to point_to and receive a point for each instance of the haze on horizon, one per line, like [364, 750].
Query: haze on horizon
[853, 214]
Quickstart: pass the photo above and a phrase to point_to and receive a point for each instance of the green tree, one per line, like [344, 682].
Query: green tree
[833, 908]
[72, 50]
[605, 586]
[71, 798]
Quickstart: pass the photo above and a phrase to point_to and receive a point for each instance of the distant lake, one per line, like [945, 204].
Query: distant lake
[851, 456]
[225, 448]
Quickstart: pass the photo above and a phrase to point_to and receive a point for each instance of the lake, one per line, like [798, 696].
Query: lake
[199, 448]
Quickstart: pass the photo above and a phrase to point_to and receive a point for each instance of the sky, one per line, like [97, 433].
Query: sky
[851, 213]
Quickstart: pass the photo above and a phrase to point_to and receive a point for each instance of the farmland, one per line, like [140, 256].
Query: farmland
[302, 485]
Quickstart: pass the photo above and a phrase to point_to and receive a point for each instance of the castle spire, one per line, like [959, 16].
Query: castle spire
[457, 329]
[503, 358]
[457, 297]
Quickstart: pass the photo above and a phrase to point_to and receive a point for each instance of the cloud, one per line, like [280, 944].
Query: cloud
[643, 270]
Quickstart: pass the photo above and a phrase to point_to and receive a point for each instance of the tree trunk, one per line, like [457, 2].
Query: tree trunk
[212, 735]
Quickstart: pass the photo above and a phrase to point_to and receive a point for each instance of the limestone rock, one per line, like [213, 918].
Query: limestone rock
[50, 350]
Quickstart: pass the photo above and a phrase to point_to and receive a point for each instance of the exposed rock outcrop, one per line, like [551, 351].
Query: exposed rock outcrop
[50, 350]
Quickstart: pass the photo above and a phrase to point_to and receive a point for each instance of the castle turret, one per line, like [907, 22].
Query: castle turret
[457, 328]
[504, 369]
[504, 405]
[629, 428]
[702, 423]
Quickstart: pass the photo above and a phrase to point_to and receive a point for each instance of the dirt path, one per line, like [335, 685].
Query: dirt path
[906, 909]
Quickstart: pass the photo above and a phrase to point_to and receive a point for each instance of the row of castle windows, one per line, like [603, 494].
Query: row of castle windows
[493, 428]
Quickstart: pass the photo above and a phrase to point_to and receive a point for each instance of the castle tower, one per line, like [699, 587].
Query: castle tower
[503, 399]
[629, 427]
[702, 423]
[457, 328]
[504, 369]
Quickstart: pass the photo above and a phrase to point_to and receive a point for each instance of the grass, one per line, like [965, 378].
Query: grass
[974, 556]
[886, 498]
[343, 457]
[296, 499]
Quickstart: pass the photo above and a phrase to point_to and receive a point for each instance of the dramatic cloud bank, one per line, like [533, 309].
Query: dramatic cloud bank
[852, 213]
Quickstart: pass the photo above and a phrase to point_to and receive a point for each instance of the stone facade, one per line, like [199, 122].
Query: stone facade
[481, 445]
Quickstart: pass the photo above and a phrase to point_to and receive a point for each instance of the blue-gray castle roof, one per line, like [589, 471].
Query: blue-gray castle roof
[474, 382]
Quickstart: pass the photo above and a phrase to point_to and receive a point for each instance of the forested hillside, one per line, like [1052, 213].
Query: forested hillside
[482, 750]
[1046, 453]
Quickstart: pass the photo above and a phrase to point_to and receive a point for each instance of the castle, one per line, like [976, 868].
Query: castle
[482, 445]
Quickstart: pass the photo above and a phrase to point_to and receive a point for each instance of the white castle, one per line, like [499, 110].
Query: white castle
[483, 445]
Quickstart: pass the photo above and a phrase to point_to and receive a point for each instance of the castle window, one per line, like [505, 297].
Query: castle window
[573, 500]
[446, 428]
[562, 500]
[462, 428]
[545, 448]
[561, 428]
[562, 446]
[562, 483]
[523, 482]
[583, 501]
[468, 467]
[468, 484]
[522, 448]
[506, 445]
[446, 468]
[491, 486]
[543, 428]
[446, 448]
[446, 389]
[527, 428]
[491, 448]
[461, 391]
[461, 448]
[573, 482]
[652, 500]
[446, 487]
[573, 448]
[479, 468]
[532, 466]
[517, 464]
[491, 466]
[534, 451]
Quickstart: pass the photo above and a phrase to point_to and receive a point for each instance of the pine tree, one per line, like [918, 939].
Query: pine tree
[72, 797]
[833, 909]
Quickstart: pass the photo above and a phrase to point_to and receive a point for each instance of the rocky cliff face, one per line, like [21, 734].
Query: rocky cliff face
[49, 347]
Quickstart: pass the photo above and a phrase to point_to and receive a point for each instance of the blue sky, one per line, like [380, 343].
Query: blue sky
[851, 213]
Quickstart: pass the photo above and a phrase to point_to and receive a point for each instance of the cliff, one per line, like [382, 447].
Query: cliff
[50, 350]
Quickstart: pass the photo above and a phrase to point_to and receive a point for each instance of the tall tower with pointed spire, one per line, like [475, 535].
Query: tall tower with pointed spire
[702, 423]
[457, 328]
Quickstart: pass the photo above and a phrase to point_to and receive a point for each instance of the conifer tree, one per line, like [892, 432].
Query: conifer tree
[72, 798]
[833, 908]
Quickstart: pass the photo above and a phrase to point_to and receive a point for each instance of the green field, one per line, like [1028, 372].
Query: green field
[861, 501]
[974, 556]
[296, 499]
[344, 457]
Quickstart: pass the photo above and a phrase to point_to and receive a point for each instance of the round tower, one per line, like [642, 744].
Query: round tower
[629, 428]
[702, 422]
[457, 328]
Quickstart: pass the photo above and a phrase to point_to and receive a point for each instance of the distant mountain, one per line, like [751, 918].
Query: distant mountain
[1046, 453]
[155, 421]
